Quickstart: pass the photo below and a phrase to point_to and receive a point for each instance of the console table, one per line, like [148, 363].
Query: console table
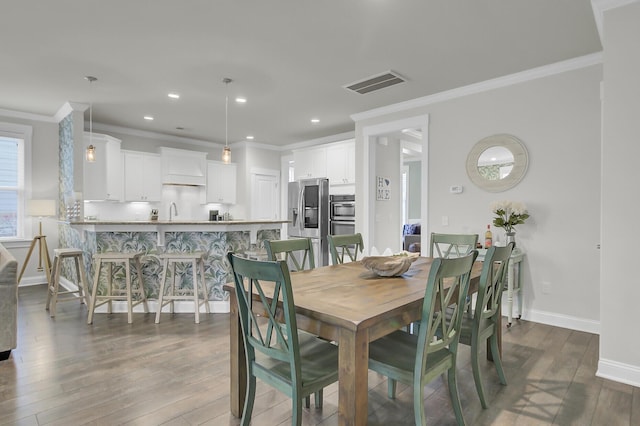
[514, 281]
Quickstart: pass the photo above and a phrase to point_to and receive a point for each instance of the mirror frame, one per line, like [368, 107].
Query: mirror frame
[520, 162]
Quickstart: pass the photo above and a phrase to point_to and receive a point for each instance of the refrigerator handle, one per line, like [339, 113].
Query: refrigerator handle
[301, 208]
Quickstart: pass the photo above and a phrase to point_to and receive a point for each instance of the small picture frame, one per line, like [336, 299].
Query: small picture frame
[383, 191]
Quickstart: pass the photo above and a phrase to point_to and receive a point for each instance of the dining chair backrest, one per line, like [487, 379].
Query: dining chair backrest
[443, 306]
[296, 252]
[452, 245]
[273, 346]
[341, 245]
[492, 281]
[276, 339]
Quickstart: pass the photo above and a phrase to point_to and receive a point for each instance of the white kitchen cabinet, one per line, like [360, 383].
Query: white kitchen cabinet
[102, 179]
[142, 176]
[310, 163]
[221, 182]
[341, 163]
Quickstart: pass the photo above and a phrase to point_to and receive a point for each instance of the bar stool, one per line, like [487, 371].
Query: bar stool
[126, 293]
[53, 291]
[196, 260]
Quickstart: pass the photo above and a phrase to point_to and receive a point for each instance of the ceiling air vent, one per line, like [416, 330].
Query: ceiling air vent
[375, 82]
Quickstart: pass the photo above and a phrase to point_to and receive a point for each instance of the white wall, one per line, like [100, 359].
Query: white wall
[388, 213]
[620, 290]
[44, 185]
[558, 119]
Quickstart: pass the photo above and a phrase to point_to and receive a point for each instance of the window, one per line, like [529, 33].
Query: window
[14, 144]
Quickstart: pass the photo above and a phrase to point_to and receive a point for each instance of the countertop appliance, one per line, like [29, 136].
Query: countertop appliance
[308, 214]
[343, 214]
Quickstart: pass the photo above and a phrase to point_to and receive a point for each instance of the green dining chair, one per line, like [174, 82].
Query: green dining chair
[452, 245]
[417, 359]
[296, 252]
[341, 245]
[482, 324]
[275, 354]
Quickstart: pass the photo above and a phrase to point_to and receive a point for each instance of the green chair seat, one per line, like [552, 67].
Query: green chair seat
[482, 323]
[295, 363]
[417, 359]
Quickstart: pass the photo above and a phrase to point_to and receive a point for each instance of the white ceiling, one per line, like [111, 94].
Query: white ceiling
[290, 58]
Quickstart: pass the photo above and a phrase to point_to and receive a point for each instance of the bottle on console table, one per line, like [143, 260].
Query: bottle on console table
[488, 237]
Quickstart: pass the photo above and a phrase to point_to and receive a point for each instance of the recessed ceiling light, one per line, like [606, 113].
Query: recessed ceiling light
[241, 100]
[148, 117]
[315, 120]
[174, 95]
[179, 128]
[250, 137]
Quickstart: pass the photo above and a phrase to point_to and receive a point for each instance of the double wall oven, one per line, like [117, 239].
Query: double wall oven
[342, 214]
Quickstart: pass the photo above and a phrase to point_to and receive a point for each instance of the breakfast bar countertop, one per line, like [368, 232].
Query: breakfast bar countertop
[177, 222]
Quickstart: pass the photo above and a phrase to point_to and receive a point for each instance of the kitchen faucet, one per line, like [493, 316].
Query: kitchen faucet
[175, 210]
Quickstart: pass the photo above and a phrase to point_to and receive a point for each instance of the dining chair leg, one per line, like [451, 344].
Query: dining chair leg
[477, 376]
[248, 401]
[319, 398]
[296, 415]
[495, 351]
[455, 397]
[391, 388]
[418, 403]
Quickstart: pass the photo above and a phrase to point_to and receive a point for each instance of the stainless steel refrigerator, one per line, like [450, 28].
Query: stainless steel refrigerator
[308, 215]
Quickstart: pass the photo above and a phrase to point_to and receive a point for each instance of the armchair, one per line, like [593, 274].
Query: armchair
[8, 303]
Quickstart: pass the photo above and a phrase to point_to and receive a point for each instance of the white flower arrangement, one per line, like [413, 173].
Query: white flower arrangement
[509, 214]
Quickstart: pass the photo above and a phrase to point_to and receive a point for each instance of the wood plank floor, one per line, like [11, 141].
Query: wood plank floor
[65, 372]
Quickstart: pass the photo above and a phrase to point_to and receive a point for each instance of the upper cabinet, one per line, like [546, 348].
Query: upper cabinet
[183, 167]
[310, 163]
[335, 161]
[142, 176]
[341, 163]
[102, 179]
[221, 182]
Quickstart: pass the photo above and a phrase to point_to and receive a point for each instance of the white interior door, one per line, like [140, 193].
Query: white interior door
[265, 195]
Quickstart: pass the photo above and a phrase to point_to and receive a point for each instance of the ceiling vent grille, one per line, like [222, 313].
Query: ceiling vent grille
[375, 82]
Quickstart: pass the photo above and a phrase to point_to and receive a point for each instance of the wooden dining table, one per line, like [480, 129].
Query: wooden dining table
[349, 305]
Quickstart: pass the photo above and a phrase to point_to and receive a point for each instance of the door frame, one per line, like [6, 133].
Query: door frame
[367, 208]
[255, 171]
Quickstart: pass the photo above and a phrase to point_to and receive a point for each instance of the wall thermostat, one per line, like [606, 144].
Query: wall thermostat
[455, 189]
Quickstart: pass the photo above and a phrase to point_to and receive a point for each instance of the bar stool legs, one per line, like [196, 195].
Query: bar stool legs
[53, 290]
[117, 293]
[196, 260]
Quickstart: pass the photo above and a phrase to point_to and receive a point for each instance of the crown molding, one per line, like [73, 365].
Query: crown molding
[320, 141]
[496, 83]
[600, 6]
[27, 116]
[67, 109]
[154, 135]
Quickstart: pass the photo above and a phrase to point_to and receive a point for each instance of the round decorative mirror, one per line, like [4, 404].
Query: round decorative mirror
[497, 163]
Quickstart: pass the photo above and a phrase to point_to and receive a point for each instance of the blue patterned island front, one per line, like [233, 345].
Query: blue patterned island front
[156, 237]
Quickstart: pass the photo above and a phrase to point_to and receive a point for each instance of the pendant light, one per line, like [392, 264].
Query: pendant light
[91, 150]
[226, 151]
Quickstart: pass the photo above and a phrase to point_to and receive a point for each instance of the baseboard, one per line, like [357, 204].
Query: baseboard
[619, 372]
[564, 321]
[35, 280]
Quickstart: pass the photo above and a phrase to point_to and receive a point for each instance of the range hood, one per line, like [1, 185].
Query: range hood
[183, 167]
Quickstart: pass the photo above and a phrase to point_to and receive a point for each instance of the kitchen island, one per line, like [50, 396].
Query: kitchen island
[215, 238]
